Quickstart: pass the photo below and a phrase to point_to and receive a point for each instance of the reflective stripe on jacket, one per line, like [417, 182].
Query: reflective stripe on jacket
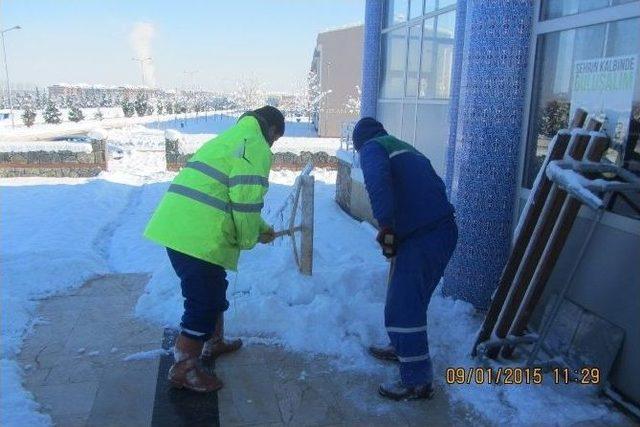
[211, 210]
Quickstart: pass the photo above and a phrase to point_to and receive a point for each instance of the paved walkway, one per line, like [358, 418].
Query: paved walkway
[77, 372]
[75, 359]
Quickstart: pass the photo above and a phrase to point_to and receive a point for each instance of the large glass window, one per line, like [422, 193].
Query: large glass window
[394, 55]
[437, 56]
[420, 65]
[596, 68]
[415, 74]
[556, 8]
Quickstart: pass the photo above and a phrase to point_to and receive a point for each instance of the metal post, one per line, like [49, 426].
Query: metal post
[6, 71]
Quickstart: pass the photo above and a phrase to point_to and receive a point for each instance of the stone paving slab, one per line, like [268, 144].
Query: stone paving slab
[73, 359]
[264, 385]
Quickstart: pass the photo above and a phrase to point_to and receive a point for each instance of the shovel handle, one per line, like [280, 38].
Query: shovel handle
[287, 232]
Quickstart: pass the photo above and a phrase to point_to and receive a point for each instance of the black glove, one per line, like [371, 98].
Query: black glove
[387, 240]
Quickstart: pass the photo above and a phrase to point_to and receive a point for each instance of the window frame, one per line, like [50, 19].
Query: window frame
[408, 24]
[539, 28]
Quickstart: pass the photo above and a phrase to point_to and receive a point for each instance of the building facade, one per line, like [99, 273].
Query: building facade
[337, 64]
[480, 87]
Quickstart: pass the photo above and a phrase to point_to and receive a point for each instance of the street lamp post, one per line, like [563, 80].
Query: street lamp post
[6, 71]
[142, 61]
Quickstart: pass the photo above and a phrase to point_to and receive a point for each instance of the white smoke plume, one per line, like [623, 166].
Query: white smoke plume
[140, 38]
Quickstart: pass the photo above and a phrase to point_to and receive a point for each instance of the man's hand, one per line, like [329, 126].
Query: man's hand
[388, 242]
[267, 236]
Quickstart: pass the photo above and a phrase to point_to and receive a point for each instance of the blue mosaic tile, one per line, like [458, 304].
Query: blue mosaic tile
[483, 161]
[371, 58]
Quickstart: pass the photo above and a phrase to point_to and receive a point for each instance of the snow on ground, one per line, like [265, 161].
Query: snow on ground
[59, 232]
[113, 119]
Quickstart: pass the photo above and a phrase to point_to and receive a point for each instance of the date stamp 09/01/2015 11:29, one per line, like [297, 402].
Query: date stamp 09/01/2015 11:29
[587, 375]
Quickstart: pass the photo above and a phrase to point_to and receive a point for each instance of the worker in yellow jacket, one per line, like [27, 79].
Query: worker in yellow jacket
[210, 213]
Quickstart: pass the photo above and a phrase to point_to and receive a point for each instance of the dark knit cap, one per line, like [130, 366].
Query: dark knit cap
[367, 128]
[272, 116]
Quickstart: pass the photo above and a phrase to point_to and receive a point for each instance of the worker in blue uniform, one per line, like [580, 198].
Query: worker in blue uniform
[417, 231]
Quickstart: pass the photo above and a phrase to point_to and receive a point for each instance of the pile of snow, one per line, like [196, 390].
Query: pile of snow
[171, 135]
[26, 146]
[99, 134]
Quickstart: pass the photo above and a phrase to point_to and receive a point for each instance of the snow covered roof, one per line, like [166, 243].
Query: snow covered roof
[343, 27]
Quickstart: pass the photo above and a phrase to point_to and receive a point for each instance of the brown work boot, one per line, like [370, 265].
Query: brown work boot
[386, 352]
[186, 371]
[217, 345]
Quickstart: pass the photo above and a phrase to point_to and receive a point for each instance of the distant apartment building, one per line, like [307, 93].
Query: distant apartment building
[87, 91]
[337, 62]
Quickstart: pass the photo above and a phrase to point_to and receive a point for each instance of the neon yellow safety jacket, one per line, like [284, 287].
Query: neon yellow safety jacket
[212, 208]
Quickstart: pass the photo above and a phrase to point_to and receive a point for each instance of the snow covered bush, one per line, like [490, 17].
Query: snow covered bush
[52, 114]
[141, 105]
[76, 114]
[98, 115]
[28, 117]
[127, 108]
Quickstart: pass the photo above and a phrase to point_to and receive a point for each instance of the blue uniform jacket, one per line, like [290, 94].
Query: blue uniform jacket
[405, 192]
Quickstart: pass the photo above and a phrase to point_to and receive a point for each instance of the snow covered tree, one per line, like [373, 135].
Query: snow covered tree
[127, 108]
[75, 114]
[308, 95]
[141, 105]
[159, 107]
[28, 116]
[52, 114]
[353, 103]
[248, 95]
[169, 107]
[98, 115]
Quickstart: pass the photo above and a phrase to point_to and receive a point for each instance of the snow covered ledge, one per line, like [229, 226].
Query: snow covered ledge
[54, 158]
[291, 153]
[351, 193]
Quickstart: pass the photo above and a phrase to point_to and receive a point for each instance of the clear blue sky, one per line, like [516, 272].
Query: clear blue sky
[225, 40]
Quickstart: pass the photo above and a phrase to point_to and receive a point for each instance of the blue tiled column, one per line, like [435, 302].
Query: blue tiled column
[487, 138]
[456, 74]
[371, 58]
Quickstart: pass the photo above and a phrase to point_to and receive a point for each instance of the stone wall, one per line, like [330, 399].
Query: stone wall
[63, 163]
[176, 159]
